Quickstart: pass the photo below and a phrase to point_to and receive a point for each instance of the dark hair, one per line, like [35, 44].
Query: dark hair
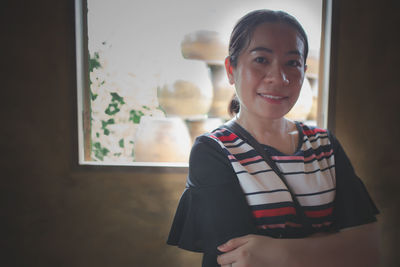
[243, 30]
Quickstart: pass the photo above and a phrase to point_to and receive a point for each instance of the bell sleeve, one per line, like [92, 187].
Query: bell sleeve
[353, 204]
[212, 208]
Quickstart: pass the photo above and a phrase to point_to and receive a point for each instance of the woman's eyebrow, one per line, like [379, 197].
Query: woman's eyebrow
[265, 49]
[261, 48]
[294, 52]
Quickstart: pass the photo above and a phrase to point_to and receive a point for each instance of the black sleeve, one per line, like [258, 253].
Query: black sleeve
[353, 205]
[208, 164]
[213, 208]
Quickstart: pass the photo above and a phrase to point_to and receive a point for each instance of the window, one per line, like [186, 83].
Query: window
[150, 74]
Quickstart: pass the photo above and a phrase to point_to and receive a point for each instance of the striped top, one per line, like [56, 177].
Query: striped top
[310, 173]
[231, 192]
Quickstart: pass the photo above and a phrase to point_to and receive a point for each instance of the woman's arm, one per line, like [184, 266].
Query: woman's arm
[357, 246]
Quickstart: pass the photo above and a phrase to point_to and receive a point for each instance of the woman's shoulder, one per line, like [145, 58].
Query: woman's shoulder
[209, 163]
[313, 133]
[311, 130]
[209, 141]
[215, 138]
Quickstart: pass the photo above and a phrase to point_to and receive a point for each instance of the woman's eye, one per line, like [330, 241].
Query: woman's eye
[260, 60]
[294, 63]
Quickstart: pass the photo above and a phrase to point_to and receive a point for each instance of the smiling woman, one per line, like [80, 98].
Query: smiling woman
[263, 190]
[146, 57]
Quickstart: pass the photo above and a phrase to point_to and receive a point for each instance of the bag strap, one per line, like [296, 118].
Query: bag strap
[243, 134]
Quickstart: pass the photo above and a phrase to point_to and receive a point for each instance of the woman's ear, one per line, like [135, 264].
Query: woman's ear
[229, 70]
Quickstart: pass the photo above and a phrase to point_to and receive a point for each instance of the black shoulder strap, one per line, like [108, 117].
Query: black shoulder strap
[245, 136]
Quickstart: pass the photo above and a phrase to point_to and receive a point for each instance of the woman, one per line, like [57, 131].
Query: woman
[266, 191]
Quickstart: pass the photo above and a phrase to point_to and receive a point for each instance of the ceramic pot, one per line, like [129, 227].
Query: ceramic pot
[204, 45]
[187, 90]
[209, 47]
[202, 125]
[162, 140]
[222, 91]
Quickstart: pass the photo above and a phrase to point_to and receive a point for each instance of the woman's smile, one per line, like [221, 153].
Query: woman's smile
[272, 98]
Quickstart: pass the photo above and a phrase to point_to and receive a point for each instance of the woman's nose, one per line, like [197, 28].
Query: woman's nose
[275, 74]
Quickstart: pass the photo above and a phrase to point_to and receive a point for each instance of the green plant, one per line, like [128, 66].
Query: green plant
[99, 151]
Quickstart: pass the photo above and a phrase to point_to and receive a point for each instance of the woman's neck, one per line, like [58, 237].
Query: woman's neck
[279, 133]
[264, 126]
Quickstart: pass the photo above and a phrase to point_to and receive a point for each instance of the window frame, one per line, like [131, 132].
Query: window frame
[326, 86]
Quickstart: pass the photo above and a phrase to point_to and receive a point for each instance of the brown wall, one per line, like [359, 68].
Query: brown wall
[367, 105]
[55, 213]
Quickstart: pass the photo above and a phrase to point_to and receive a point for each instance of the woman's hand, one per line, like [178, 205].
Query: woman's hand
[354, 247]
[254, 251]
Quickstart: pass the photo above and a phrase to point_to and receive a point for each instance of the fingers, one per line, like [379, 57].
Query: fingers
[234, 243]
[231, 250]
[237, 257]
[226, 259]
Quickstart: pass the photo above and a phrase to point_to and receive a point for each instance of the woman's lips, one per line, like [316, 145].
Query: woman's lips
[275, 99]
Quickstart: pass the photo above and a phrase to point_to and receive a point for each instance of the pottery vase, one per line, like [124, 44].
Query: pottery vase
[186, 91]
[162, 140]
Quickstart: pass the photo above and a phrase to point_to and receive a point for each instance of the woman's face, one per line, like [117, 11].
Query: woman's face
[269, 72]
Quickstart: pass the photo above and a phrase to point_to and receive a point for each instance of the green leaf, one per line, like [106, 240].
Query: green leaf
[121, 143]
[104, 125]
[93, 96]
[94, 62]
[97, 145]
[135, 115]
[112, 109]
[160, 108]
[117, 98]
[99, 151]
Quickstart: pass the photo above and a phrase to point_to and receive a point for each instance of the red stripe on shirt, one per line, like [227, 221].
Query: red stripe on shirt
[230, 137]
[323, 154]
[319, 213]
[314, 131]
[274, 212]
[250, 159]
[287, 158]
[303, 158]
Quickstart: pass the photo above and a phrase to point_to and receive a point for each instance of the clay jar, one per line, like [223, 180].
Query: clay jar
[223, 92]
[208, 46]
[162, 140]
[186, 91]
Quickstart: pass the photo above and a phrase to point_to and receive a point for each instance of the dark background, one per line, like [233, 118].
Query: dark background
[55, 213]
